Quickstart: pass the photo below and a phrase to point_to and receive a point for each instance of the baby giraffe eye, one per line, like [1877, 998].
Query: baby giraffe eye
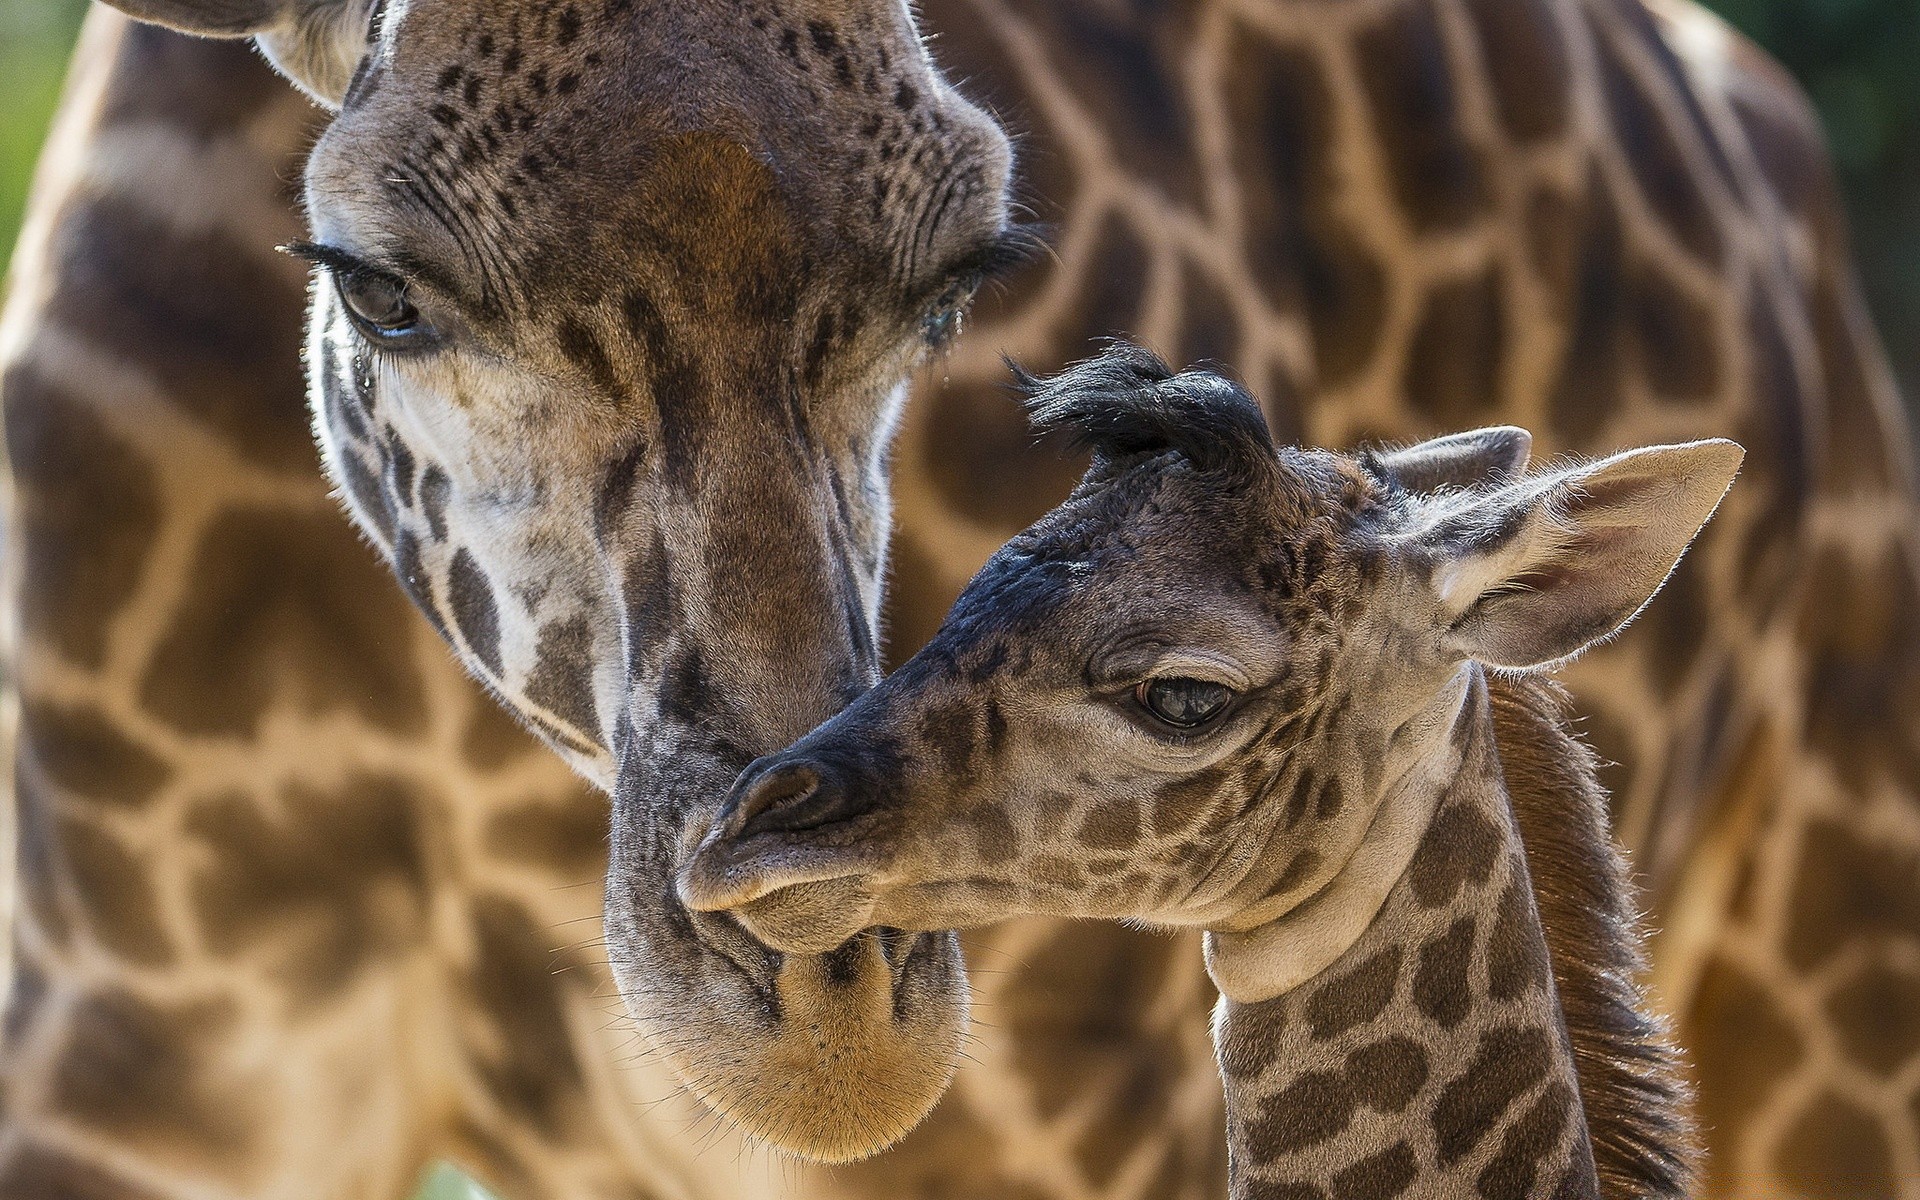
[1183, 703]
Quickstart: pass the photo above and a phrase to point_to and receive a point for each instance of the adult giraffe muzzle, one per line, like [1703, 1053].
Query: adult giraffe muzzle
[613, 311]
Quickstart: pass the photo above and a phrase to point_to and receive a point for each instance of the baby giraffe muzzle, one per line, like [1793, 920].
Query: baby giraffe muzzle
[793, 856]
[1277, 695]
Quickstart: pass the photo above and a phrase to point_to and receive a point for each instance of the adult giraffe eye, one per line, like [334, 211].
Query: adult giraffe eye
[944, 320]
[377, 304]
[1183, 703]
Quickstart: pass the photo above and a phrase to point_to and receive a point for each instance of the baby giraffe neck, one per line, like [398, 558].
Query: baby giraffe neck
[1433, 1058]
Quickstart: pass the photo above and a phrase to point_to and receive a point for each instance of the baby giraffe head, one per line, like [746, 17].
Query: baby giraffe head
[1194, 693]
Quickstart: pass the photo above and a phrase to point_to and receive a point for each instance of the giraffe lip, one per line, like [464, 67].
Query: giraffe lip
[725, 876]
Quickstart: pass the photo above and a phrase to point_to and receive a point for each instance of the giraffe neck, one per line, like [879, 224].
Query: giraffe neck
[1479, 1037]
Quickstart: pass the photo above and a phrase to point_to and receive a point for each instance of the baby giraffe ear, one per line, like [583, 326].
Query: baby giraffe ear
[1459, 460]
[1539, 569]
[315, 43]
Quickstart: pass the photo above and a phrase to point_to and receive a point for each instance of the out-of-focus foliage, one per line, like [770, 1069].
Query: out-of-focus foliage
[35, 39]
[1857, 58]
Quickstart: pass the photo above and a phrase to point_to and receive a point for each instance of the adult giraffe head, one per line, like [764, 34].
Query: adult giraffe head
[614, 308]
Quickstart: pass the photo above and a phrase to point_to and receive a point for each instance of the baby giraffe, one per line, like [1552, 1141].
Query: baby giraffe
[1275, 695]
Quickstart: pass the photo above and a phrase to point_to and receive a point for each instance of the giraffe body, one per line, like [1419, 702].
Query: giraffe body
[1223, 688]
[1638, 241]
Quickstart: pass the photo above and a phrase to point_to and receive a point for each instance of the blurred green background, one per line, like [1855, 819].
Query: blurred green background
[1860, 60]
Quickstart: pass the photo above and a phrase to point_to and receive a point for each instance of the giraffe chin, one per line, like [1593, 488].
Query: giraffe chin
[845, 1076]
[830, 1056]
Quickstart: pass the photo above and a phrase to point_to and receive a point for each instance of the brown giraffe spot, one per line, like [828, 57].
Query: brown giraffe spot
[1438, 175]
[562, 677]
[528, 1061]
[1209, 332]
[1247, 1030]
[1355, 997]
[1877, 1015]
[1787, 145]
[45, 1173]
[1387, 1075]
[1535, 1136]
[1862, 453]
[1657, 37]
[321, 883]
[1862, 640]
[149, 293]
[565, 835]
[1452, 372]
[1554, 225]
[206, 87]
[917, 598]
[1081, 1005]
[1674, 339]
[143, 1074]
[1509, 1060]
[1314, 1107]
[475, 611]
[995, 839]
[1380, 1176]
[1302, 252]
[1672, 630]
[1461, 846]
[1592, 371]
[79, 750]
[115, 896]
[1106, 299]
[1516, 950]
[946, 728]
[1441, 988]
[87, 511]
[1742, 1047]
[1525, 57]
[1774, 430]
[1661, 169]
[1837, 1149]
[982, 458]
[37, 895]
[1111, 824]
[1850, 889]
[1125, 72]
[285, 607]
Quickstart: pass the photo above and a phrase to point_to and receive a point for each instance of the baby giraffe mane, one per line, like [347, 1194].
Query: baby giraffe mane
[1631, 1085]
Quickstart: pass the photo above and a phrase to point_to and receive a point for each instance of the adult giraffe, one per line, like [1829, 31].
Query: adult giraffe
[289, 888]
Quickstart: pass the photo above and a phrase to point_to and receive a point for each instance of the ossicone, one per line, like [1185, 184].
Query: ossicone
[1128, 401]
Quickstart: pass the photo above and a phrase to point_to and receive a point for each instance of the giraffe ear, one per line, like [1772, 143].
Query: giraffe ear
[1460, 460]
[315, 43]
[1539, 569]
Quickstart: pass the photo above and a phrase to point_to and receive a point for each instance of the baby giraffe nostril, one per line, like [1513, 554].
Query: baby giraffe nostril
[796, 829]
[793, 799]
